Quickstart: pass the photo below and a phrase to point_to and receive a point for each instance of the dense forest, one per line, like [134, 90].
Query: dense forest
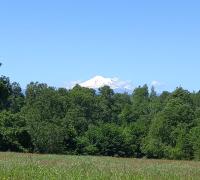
[84, 121]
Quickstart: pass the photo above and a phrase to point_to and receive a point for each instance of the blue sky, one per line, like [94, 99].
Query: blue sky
[62, 41]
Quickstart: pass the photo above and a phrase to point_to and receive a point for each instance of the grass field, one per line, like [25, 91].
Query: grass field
[29, 166]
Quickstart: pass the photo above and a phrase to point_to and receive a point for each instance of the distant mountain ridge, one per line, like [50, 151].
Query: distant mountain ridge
[114, 83]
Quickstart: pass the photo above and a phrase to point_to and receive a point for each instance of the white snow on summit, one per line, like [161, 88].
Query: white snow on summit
[100, 81]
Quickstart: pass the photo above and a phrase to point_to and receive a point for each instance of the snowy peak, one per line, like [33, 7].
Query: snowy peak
[100, 81]
[97, 82]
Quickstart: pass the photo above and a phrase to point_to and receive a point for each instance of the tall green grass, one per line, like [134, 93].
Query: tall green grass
[28, 166]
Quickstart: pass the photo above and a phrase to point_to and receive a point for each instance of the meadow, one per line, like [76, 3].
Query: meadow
[34, 166]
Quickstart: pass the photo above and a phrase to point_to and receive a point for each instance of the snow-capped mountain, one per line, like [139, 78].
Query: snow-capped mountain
[100, 81]
[97, 82]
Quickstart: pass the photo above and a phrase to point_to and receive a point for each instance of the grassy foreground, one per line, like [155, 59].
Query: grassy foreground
[33, 166]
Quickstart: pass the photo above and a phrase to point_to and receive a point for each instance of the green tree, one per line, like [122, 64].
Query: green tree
[16, 98]
[44, 113]
[108, 140]
[5, 92]
[140, 102]
[194, 139]
[105, 104]
[167, 136]
[47, 137]
[13, 133]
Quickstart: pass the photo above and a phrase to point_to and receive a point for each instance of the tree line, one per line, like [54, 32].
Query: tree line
[83, 121]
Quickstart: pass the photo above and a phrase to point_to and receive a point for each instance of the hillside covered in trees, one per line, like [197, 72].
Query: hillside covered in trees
[82, 121]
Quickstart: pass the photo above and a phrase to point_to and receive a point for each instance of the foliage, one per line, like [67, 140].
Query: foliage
[107, 140]
[84, 121]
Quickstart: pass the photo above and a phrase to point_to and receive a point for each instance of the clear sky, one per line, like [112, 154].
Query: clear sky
[57, 42]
